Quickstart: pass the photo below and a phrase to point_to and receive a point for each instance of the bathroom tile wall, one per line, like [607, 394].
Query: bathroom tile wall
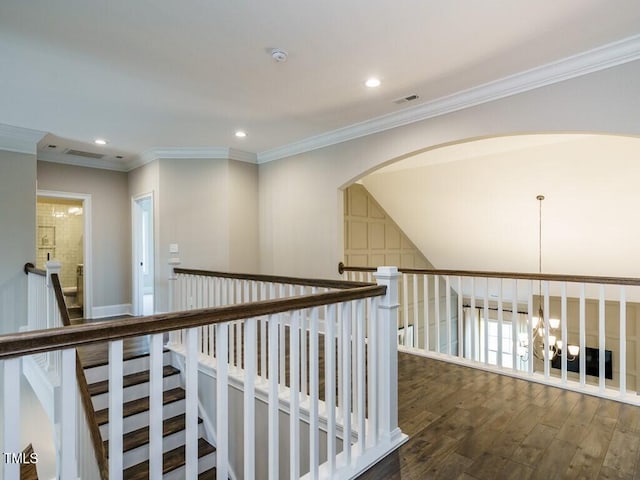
[59, 234]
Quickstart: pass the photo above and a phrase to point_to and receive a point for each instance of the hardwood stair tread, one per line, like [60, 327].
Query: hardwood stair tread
[101, 387]
[140, 437]
[141, 405]
[208, 475]
[170, 461]
[102, 359]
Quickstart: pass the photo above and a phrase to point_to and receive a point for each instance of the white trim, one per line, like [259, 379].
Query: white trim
[18, 139]
[194, 152]
[111, 311]
[87, 260]
[136, 305]
[55, 157]
[601, 58]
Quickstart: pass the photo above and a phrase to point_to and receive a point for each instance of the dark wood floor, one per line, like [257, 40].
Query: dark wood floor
[469, 424]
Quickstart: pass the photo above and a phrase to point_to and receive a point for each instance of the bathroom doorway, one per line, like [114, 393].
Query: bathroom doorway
[62, 234]
[143, 254]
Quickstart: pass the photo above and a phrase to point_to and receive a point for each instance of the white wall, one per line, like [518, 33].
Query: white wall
[482, 213]
[209, 207]
[110, 221]
[301, 209]
[17, 235]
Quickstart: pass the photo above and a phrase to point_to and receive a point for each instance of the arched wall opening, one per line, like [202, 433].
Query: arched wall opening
[301, 208]
[472, 205]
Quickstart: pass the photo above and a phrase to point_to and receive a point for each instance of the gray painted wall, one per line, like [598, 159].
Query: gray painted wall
[17, 235]
[111, 225]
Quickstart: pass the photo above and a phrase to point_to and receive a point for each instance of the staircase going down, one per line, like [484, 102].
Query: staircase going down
[136, 418]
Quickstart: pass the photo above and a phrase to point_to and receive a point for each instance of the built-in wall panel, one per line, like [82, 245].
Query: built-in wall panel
[372, 238]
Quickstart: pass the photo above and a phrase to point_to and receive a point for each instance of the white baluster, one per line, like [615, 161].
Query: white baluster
[426, 312]
[330, 386]
[273, 423]
[294, 396]
[601, 339]
[545, 355]
[583, 337]
[405, 308]
[473, 317]
[191, 409]
[314, 394]
[623, 341]
[249, 398]
[372, 363]
[530, 357]
[460, 321]
[222, 402]
[69, 464]
[155, 407]
[345, 372]
[486, 321]
[563, 332]
[514, 325]
[11, 415]
[499, 361]
[447, 283]
[416, 312]
[116, 400]
[436, 308]
[360, 375]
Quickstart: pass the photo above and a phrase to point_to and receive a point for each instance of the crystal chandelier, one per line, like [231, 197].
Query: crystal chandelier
[538, 334]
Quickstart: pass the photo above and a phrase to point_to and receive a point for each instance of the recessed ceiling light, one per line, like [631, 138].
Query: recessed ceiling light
[241, 134]
[100, 141]
[372, 82]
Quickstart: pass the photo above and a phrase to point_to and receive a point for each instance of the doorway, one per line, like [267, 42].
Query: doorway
[63, 233]
[143, 255]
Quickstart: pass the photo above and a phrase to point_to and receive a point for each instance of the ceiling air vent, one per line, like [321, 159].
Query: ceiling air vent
[409, 98]
[81, 153]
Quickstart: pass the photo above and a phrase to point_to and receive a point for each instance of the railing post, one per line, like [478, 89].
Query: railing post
[53, 316]
[387, 325]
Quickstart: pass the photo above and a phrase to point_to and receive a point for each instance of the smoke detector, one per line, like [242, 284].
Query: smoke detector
[279, 55]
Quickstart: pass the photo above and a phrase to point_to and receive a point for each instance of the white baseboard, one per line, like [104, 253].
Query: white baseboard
[111, 310]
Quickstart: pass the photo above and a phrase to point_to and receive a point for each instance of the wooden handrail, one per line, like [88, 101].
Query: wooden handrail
[38, 341]
[312, 282]
[31, 268]
[83, 387]
[515, 275]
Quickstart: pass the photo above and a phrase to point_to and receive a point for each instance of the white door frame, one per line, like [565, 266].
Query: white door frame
[137, 287]
[87, 260]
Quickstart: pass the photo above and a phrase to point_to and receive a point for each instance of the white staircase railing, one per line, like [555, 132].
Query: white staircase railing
[45, 375]
[587, 325]
[284, 359]
[332, 415]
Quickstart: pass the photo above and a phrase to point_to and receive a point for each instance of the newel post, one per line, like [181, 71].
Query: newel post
[387, 321]
[52, 266]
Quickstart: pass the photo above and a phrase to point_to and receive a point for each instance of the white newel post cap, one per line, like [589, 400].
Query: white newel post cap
[388, 276]
[52, 266]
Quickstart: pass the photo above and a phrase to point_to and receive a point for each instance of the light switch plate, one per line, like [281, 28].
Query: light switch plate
[173, 248]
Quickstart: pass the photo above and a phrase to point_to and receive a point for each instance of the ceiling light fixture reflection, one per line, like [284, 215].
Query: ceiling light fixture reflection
[372, 82]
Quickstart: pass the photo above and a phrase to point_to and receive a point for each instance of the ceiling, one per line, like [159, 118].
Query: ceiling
[158, 74]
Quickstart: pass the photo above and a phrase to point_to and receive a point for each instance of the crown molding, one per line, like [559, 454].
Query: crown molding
[601, 58]
[225, 153]
[18, 139]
